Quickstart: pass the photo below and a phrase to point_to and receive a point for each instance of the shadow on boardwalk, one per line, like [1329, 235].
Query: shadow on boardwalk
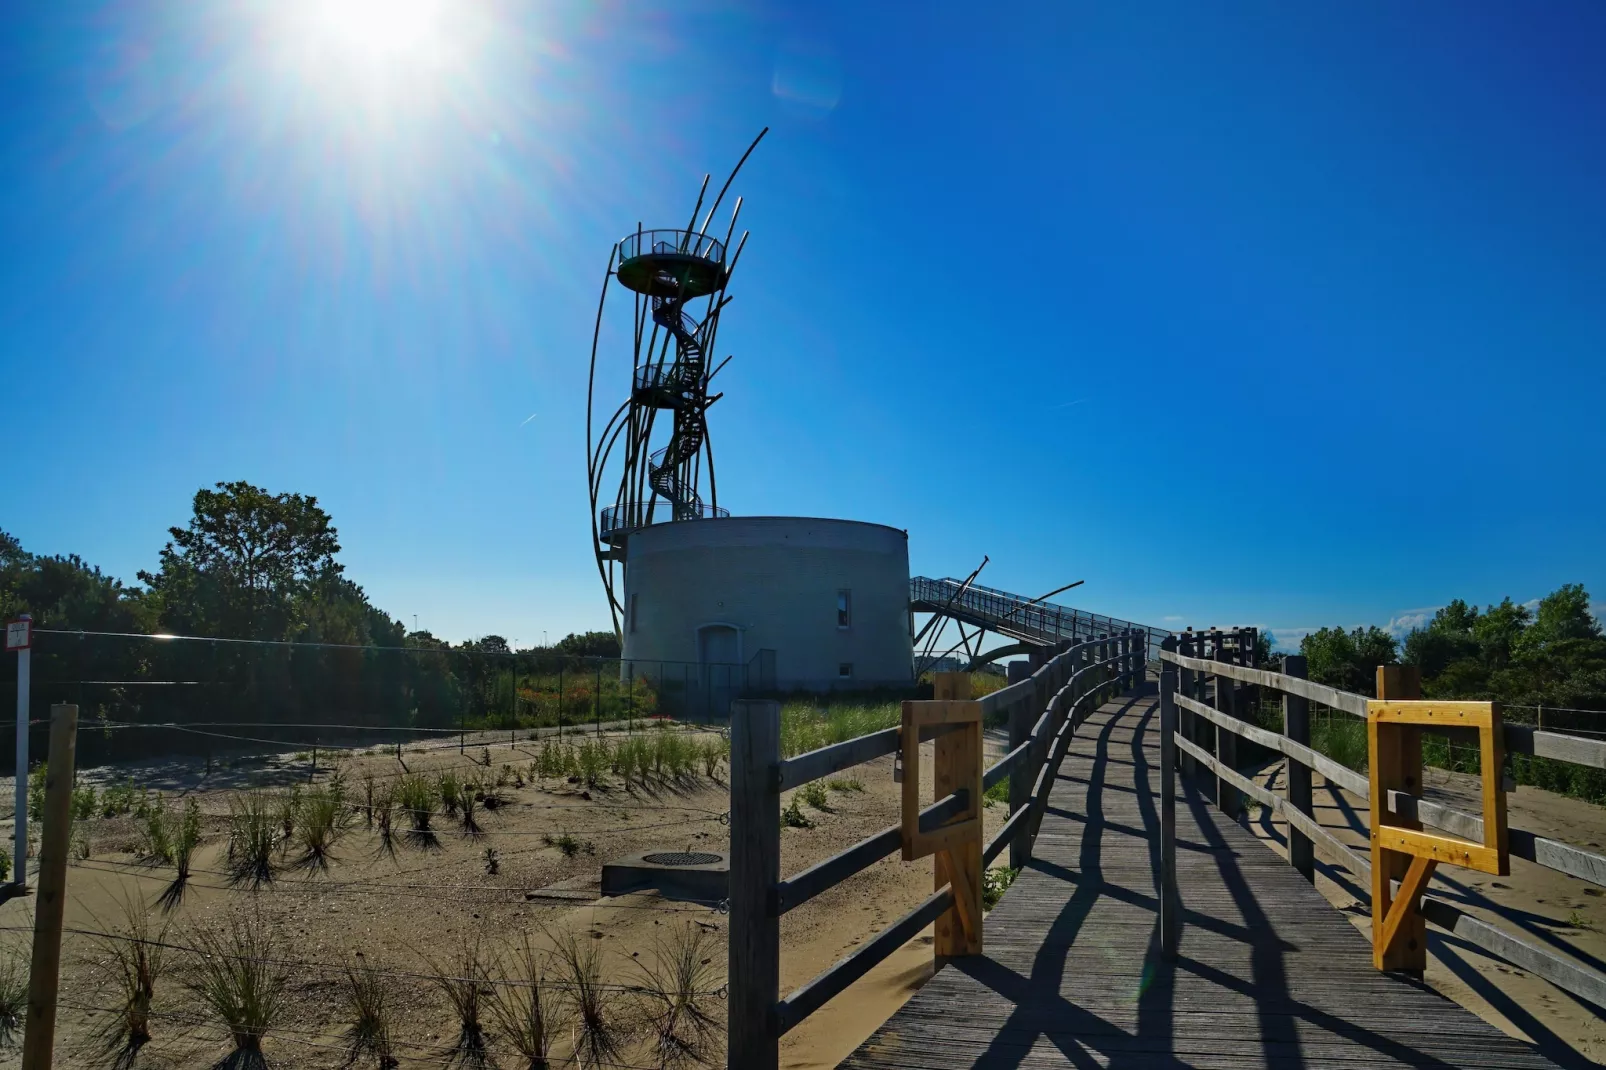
[1269, 974]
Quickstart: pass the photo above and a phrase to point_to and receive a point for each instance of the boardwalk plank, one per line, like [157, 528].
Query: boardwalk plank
[1269, 974]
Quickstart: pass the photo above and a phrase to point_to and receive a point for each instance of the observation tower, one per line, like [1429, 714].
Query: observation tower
[709, 605]
[677, 279]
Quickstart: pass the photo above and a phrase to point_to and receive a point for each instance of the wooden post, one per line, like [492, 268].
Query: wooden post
[1296, 726]
[1399, 768]
[957, 764]
[45, 969]
[754, 963]
[1228, 800]
[1021, 719]
[1170, 900]
[1101, 654]
[1185, 684]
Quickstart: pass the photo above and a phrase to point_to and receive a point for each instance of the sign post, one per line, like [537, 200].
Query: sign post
[19, 637]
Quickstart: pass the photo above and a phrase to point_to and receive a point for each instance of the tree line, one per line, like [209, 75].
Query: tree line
[1553, 655]
[288, 637]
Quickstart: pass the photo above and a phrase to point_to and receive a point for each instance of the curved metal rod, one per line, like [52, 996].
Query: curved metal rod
[732, 178]
[591, 385]
[692, 222]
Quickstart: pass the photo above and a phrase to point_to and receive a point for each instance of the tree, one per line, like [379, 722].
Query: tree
[589, 645]
[246, 557]
[1498, 631]
[1348, 660]
[1563, 614]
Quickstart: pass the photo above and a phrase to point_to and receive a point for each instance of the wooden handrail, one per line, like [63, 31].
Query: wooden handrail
[817, 992]
[1552, 854]
[1519, 739]
[1565, 858]
[1063, 687]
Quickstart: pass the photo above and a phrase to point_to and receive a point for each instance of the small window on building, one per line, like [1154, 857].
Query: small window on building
[844, 671]
[844, 608]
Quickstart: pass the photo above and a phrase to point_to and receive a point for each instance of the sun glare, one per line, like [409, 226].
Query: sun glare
[379, 29]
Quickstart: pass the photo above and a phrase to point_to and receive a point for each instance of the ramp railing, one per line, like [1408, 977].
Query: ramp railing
[1042, 713]
[1205, 682]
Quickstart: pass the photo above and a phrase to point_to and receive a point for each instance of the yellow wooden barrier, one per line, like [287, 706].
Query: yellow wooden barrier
[1400, 849]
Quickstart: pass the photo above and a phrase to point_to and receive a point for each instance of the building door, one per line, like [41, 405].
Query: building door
[719, 648]
[719, 644]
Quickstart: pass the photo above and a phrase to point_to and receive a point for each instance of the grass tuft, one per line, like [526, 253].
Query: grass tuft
[253, 834]
[321, 821]
[463, 979]
[679, 989]
[13, 996]
[522, 1007]
[416, 797]
[368, 1014]
[845, 784]
[131, 959]
[185, 840]
[237, 980]
[598, 1037]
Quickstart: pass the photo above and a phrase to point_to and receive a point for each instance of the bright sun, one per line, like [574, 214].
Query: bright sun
[380, 29]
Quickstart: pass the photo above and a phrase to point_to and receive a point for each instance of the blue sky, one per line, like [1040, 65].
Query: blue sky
[1267, 314]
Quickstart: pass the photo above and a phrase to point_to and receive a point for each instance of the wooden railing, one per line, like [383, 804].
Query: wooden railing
[1041, 714]
[1194, 715]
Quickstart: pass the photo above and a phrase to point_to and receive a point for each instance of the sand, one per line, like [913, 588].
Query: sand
[399, 911]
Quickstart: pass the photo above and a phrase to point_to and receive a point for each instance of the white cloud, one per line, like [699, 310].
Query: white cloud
[1408, 620]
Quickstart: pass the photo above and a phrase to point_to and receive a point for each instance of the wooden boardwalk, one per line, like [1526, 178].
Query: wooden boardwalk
[1269, 974]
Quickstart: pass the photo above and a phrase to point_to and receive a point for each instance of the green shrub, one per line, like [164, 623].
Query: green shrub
[156, 834]
[593, 761]
[998, 794]
[83, 803]
[814, 794]
[993, 884]
[845, 784]
[119, 799]
[793, 816]
[36, 791]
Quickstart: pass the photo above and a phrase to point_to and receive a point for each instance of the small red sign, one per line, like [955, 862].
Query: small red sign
[19, 634]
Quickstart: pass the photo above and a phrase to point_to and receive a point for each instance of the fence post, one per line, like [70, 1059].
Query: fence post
[1296, 726]
[1170, 900]
[55, 832]
[1021, 777]
[1185, 684]
[754, 964]
[19, 872]
[1227, 798]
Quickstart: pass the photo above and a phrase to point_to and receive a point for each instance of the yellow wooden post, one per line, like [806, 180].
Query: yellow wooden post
[1396, 765]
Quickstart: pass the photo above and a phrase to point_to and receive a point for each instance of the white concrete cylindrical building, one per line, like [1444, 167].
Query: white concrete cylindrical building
[798, 602]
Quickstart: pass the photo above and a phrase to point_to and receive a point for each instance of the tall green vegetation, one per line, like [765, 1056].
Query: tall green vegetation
[248, 563]
[1552, 655]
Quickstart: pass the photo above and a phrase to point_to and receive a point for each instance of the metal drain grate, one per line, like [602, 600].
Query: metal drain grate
[681, 858]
